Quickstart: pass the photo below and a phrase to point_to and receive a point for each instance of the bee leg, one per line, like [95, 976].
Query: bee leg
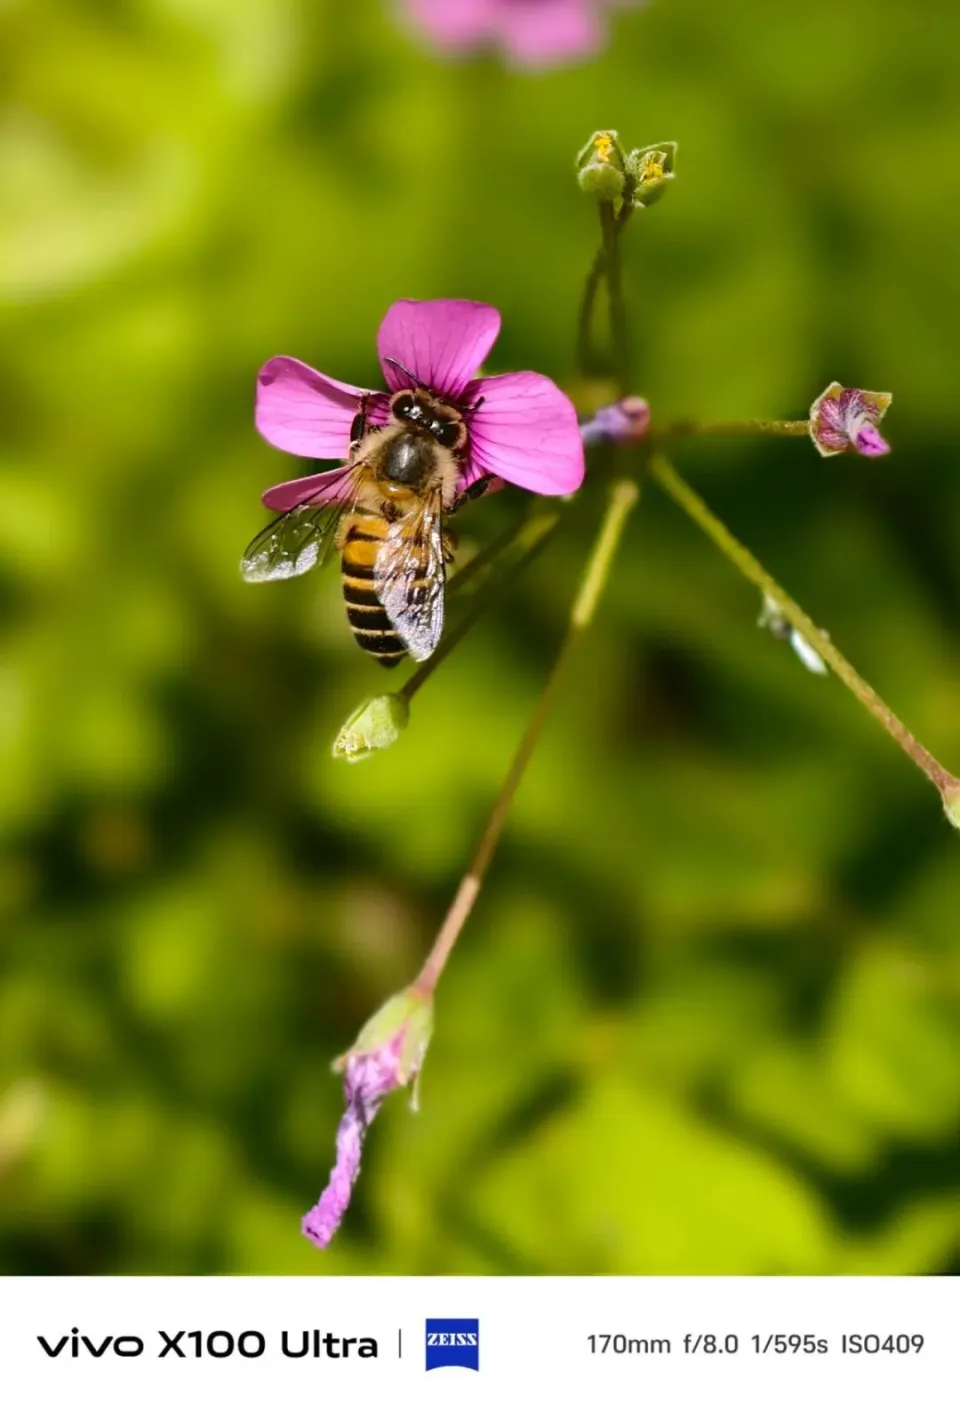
[473, 491]
[359, 425]
[450, 541]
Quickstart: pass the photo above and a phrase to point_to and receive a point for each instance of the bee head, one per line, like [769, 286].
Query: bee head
[440, 420]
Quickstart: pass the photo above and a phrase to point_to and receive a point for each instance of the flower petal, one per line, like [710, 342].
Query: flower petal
[869, 442]
[541, 36]
[320, 1223]
[462, 25]
[527, 432]
[301, 411]
[442, 342]
[290, 494]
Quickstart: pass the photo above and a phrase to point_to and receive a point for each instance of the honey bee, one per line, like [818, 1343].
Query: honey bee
[387, 519]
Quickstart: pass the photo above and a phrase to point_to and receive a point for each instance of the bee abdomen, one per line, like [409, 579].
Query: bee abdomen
[365, 613]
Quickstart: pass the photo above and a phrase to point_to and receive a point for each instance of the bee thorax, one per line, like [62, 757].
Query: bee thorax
[409, 460]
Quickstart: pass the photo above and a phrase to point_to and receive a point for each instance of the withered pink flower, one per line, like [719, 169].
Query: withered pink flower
[521, 428]
[533, 34]
[387, 1055]
[846, 419]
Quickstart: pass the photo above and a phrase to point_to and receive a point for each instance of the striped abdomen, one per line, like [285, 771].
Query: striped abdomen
[367, 615]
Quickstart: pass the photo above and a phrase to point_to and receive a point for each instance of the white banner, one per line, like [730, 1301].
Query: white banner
[154, 1343]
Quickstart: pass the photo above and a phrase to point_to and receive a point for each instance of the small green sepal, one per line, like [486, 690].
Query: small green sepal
[403, 1024]
[376, 725]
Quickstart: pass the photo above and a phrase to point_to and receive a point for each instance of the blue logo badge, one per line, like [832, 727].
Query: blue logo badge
[453, 1343]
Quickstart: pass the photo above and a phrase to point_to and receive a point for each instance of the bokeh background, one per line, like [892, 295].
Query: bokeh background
[706, 1017]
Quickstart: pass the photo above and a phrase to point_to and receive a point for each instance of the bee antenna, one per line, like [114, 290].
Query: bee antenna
[395, 362]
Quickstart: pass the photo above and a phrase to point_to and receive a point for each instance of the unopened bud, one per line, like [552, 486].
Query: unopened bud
[376, 725]
[600, 167]
[626, 421]
[651, 171]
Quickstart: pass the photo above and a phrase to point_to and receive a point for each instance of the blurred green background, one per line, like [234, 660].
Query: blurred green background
[706, 1017]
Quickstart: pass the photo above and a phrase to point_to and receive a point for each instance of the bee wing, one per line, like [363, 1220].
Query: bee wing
[410, 576]
[296, 540]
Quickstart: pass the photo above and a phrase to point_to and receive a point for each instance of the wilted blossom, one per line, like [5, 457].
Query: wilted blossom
[625, 421]
[387, 1055]
[521, 427]
[772, 617]
[846, 418]
[533, 34]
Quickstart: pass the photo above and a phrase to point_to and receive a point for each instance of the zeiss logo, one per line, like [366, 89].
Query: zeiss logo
[453, 1343]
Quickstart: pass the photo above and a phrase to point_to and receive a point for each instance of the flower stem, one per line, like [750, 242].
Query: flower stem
[611, 227]
[585, 315]
[528, 540]
[750, 426]
[487, 555]
[666, 476]
[622, 498]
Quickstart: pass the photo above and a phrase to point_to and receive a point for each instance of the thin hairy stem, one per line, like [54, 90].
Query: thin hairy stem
[690, 502]
[623, 496]
[528, 540]
[487, 555]
[585, 363]
[611, 227]
[750, 426]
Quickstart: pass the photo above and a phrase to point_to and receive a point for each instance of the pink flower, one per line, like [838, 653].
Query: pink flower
[534, 34]
[846, 418]
[387, 1055]
[521, 427]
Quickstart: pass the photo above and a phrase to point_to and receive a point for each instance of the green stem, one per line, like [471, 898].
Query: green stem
[611, 227]
[528, 540]
[609, 242]
[664, 473]
[623, 496]
[750, 426]
[487, 555]
[585, 315]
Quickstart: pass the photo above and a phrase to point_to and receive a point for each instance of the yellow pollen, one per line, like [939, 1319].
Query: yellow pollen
[604, 146]
[652, 168]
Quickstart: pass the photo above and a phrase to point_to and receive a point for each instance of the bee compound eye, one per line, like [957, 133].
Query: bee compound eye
[403, 405]
[447, 433]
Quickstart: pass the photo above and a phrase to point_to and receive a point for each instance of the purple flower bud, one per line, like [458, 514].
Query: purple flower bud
[625, 421]
[846, 418]
[387, 1055]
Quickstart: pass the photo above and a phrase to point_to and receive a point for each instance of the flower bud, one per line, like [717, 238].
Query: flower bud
[650, 170]
[376, 725]
[600, 168]
[626, 422]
